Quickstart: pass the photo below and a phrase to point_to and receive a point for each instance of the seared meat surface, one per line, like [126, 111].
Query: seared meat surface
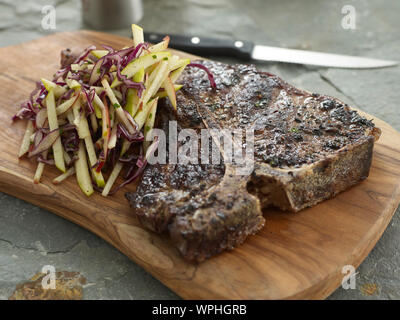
[307, 148]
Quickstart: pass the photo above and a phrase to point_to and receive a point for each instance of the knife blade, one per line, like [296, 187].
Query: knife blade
[246, 50]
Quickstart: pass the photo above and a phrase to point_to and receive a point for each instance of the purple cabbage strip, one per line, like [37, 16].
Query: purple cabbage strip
[62, 73]
[209, 74]
[41, 96]
[130, 179]
[134, 54]
[40, 158]
[111, 77]
[67, 127]
[38, 88]
[101, 95]
[141, 164]
[84, 54]
[131, 120]
[101, 158]
[131, 166]
[65, 96]
[89, 97]
[70, 139]
[96, 187]
[123, 91]
[38, 138]
[130, 158]
[75, 76]
[117, 58]
[108, 48]
[26, 111]
[52, 136]
[122, 132]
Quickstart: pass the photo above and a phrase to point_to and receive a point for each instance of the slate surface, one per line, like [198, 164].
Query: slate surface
[31, 237]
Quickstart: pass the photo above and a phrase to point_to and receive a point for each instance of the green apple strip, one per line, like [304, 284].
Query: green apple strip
[113, 176]
[98, 177]
[70, 116]
[125, 146]
[170, 90]
[39, 169]
[111, 112]
[96, 72]
[72, 83]
[141, 116]
[163, 94]
[150, 69]
[26, 140]
[58, 90]
[179, 64]
[139, 63]
[137, 33]
[80, 121]
[98, 102]
[67, 158]
[38, 173]
[105, 122]
[97, 107]
[100, 90]
[161, 46]
[132, 101]
[172, 62]
[149, 124]
[93, 122]
[162, 73]
[70, 172]
[53, 124]
[153, 72]
[118, 109]
[84, 133]
[82, 171]
[78, 67]
[99, 53]
[176, 73]
[97, 111]
[132, 98]
[113, 137]
[64, 107]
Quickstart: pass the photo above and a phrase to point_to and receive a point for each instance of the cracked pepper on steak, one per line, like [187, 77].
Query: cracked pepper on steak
[308, 148]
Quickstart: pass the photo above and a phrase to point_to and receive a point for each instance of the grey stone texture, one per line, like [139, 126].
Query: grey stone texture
[31, 237]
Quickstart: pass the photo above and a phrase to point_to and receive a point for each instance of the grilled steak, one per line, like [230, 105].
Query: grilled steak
[308, 147]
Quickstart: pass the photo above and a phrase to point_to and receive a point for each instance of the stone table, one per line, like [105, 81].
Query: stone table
[31, 237]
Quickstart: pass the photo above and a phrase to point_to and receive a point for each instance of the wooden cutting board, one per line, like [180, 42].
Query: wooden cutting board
[295, 256]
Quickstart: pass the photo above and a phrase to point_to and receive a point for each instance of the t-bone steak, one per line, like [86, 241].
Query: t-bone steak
[307, 148]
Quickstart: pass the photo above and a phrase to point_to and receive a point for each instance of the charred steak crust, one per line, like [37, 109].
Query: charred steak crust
[308, 148]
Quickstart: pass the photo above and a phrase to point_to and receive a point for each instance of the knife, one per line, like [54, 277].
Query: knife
[247, 51]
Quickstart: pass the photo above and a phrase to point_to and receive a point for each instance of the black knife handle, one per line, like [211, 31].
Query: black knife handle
[206, 46]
